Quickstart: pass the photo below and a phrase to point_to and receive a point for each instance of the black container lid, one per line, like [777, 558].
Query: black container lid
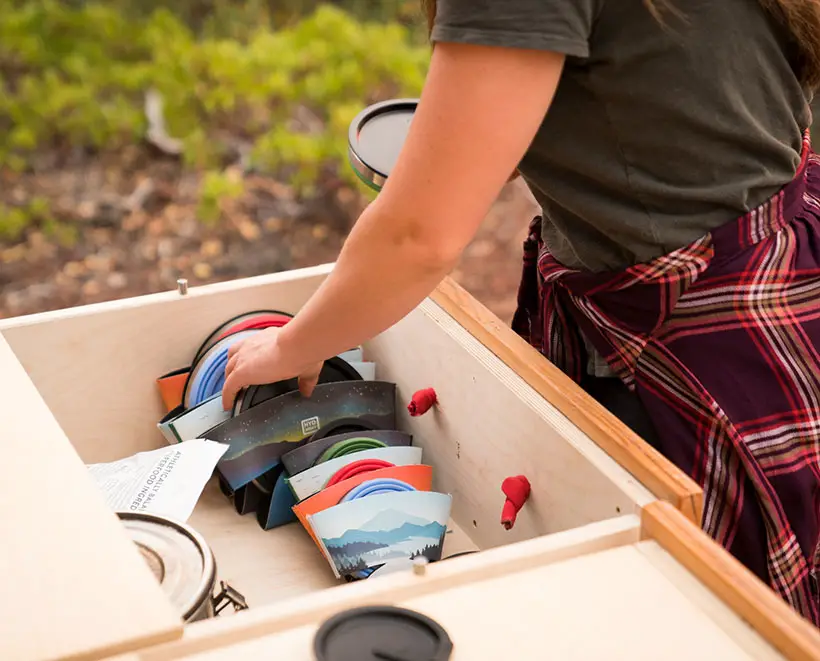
[335, 369]
[376, 136]
[381, 632]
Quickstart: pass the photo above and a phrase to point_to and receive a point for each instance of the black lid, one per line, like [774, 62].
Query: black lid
[379, 633]
[376, 136]
[334, 369]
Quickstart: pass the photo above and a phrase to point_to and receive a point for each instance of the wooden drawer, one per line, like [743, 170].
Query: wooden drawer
[79, 388]
[632, 588]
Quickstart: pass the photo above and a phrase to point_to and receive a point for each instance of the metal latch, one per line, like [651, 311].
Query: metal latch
[229, 595]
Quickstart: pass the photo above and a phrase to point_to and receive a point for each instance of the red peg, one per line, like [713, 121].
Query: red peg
[422, 402]
[517, 490]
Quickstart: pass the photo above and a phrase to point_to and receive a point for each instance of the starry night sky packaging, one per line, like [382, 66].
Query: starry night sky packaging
[260, 436]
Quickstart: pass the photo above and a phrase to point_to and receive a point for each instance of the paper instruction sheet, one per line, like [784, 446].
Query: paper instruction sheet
[167, 481]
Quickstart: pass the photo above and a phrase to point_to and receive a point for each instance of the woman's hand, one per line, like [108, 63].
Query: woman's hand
[260, 359]
[452, 166]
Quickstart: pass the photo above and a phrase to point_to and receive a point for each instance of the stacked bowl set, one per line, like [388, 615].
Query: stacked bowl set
[335, 461]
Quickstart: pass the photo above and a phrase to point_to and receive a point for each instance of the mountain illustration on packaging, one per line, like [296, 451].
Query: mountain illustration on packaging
[387, 519]
[370, 531]
[432, 530]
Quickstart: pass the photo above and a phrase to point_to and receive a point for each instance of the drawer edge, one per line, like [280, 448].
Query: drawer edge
[649, 466]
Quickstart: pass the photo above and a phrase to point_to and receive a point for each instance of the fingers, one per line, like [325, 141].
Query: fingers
[233, 384]
[307, 383]
[308, 380]
[232, 360]
[233, 356]
[234, 348]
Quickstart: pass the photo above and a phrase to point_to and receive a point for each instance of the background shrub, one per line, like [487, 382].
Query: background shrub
[276, 82]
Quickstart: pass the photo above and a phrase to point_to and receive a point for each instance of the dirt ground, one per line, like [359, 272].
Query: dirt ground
[138, 231]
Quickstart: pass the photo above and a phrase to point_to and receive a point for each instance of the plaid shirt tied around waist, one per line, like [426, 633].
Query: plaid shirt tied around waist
[721, 342]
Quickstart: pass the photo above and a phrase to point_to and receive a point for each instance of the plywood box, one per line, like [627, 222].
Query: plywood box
[79, 388]
[632, 588]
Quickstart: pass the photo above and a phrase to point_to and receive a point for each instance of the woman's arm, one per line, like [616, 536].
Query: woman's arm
[479, 111]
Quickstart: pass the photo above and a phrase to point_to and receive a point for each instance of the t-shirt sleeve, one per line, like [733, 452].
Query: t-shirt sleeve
[557, 25]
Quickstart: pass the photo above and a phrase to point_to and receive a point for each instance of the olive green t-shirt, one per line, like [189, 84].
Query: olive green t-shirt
[656, 134]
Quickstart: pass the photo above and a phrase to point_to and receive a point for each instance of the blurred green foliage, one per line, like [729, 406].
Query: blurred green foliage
[214, 189]
[76, 73]
[15, 220]
[234, 18]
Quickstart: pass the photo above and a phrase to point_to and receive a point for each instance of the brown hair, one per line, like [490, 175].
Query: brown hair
[800, 17]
